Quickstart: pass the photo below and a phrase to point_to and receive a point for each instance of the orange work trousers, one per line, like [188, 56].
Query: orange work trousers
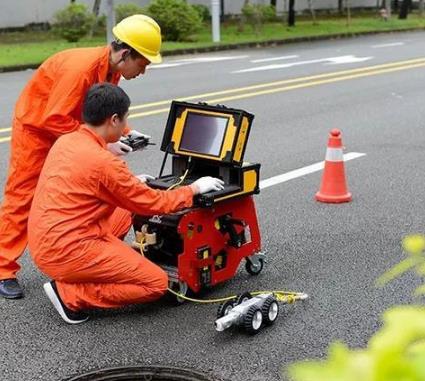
[28, 153]
[110, 273]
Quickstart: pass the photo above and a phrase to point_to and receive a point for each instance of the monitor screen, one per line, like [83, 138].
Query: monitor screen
[203, 133]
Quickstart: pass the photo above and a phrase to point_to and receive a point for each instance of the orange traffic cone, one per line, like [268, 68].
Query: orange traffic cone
[334, 187]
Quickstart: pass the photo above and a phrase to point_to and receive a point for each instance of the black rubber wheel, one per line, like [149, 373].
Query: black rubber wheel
[254, 269]
[242, 297]
[224, 308]
[253, 320]
[270, 310]
[180, 288]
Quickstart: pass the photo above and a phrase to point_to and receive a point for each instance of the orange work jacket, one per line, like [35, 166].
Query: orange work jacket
[79, 188]
[52, 100]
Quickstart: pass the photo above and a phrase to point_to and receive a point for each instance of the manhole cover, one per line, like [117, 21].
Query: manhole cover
[142, 373]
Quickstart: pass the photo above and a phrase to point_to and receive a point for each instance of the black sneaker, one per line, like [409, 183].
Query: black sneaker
[71, 317]
[10, 289]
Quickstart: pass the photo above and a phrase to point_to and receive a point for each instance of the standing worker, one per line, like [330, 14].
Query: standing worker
[50, 106]
[82, 207]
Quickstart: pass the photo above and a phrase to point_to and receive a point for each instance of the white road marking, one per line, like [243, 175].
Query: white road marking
[330, 60]
[188, 61]
[274, 59]
[212, 59]
[164, 65]
[399, 96]
[347, 59]
[387, 45]
[303, 171]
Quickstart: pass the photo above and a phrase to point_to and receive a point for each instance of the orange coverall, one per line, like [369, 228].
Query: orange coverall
[49, 106]
[82, 204]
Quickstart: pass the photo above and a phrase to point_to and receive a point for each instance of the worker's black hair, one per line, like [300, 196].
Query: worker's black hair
[102, 101]
[118, 45]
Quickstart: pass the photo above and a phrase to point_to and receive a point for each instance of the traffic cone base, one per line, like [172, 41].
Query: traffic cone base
[333, 199]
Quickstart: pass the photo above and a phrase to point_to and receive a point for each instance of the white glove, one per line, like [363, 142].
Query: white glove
[136, 134]
[143, 178]
[207, 184]
[119, 148]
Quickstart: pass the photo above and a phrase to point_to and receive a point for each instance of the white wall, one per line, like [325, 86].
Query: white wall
[234, 6]
[15, 13]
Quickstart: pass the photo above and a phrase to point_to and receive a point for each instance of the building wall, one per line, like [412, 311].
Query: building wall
[18, 13]
[234, 6]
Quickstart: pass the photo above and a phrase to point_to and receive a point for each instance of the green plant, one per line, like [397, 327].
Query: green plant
[178, 19]
[99, 27]
[414, 245]
[124, 10]
[257, 14]
[73, 22]
[203, 11]
[395, 353]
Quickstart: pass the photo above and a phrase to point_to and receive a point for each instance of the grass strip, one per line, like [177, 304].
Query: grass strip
[31, 48]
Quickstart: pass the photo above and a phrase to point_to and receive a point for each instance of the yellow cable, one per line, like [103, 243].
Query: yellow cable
[281, 296]
[204, 301]
[180, 181]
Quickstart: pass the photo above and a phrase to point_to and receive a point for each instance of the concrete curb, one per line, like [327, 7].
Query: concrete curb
[254, 44]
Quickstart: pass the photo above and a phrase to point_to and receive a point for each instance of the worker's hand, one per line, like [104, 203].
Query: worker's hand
[143, 178]
[136, 134]
[119, 148]
[207, 184]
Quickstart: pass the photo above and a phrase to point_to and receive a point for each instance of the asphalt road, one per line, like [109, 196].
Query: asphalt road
[332, 252]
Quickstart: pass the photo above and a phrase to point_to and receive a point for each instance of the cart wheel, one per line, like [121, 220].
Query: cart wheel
[181, 288]
[252, 320]
[270, 310]
[224, 308]
[242, 298]
[254, 267]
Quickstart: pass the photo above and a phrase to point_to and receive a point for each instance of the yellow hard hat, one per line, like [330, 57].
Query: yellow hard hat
[142, 33]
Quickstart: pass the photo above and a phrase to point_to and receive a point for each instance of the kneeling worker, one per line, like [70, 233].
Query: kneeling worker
[82, 209]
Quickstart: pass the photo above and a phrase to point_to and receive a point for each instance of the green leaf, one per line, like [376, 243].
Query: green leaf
[403, 326]
[421, 269]
[396, 271]
[414, 243]
[420, 290]
[341, 365]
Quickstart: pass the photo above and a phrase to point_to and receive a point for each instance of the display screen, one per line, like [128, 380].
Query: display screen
[203, 133]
